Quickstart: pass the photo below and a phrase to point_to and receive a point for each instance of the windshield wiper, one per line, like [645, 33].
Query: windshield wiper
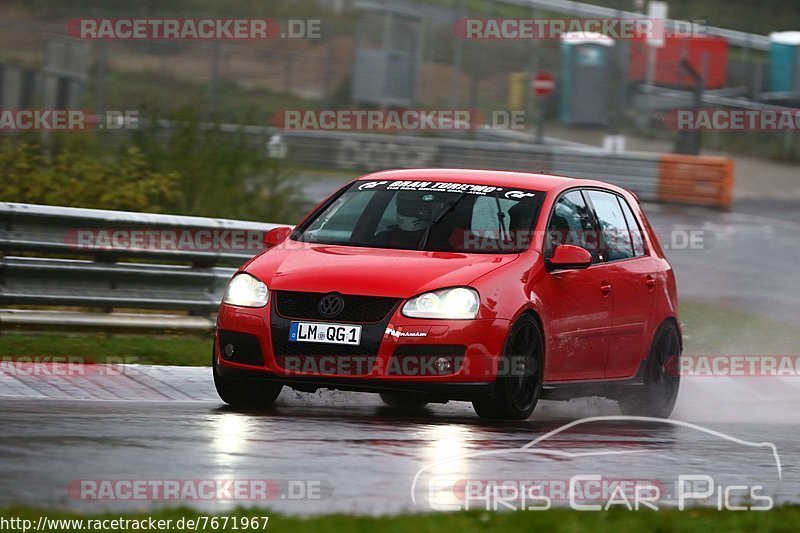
[501, 220]
[439, 217]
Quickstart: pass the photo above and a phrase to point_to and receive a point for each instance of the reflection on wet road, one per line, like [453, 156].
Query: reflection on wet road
[347, 452]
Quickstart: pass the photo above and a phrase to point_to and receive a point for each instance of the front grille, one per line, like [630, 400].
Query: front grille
[362, 309]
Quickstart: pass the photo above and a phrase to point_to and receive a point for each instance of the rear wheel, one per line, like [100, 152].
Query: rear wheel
[403, 400]
[519, 380]
[656, 397]
[244, 393]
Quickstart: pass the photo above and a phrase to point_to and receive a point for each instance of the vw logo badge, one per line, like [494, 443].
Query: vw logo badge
[331, 305]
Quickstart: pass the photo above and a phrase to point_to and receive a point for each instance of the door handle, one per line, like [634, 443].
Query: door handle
[605, 288]
[650, 281]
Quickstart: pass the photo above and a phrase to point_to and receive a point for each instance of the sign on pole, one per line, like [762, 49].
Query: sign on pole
[543, 84]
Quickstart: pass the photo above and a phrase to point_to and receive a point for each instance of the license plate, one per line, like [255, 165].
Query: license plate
[327, 333]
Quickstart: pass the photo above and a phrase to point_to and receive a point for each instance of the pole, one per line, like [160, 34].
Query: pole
[456, 81]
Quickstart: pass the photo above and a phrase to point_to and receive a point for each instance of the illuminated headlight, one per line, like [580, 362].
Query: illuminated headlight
[246, 291]
[454, 304]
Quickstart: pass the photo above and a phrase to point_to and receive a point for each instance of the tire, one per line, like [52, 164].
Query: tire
[244, 393]
[403, 400]
[656, 397]
[518, 389]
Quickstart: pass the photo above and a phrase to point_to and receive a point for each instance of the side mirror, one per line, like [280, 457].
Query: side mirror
[568, 257]
[276, 236]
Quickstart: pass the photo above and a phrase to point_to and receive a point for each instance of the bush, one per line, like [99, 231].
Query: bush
[189, 169]
[222, 174]
[74, 178]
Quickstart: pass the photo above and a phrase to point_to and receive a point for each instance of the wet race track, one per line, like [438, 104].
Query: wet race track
[333, 451]
[349, 453]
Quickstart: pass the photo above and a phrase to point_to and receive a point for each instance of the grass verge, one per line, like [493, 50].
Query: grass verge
[182, 350]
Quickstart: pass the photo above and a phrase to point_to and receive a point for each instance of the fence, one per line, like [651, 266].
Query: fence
[229, 80]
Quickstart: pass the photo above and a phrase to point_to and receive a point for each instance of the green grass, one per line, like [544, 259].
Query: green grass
[709, 330]
[619, 520]
[182, 350]
[714, 330]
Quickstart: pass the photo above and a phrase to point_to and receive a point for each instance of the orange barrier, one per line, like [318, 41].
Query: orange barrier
[698, 180]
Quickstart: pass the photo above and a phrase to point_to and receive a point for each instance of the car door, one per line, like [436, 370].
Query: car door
[579, 308]
[630, 272]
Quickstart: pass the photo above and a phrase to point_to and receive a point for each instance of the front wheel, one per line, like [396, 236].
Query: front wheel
[520, 372]
[244, 393]
[656, 397]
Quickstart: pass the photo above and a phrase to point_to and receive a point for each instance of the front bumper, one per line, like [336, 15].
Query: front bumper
[396, 354]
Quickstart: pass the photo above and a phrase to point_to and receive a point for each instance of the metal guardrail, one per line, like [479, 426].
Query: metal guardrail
[640, 172]
[367, 152]
[105, 278]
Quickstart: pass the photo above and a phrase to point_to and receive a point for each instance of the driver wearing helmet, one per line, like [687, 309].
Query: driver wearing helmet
[415, 210]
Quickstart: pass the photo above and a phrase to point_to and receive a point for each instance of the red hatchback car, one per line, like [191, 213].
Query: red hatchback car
[429, 285]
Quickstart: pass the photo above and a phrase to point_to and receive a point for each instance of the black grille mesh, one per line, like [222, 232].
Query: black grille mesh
[356, 308]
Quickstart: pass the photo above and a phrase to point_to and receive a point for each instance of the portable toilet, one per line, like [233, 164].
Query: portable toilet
[783, 61]
[585, 71]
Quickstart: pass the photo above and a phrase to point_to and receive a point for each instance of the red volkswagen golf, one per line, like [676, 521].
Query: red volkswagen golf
[498, 288]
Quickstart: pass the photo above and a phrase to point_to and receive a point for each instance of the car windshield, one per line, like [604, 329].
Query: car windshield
[426, 215]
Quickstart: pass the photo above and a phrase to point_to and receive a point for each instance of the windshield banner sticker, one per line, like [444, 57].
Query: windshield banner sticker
[440, 186]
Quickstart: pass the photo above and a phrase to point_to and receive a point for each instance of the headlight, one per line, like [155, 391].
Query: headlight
[455, 304]
[246, 291]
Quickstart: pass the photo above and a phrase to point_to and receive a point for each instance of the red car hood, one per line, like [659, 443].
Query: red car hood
[294, 266]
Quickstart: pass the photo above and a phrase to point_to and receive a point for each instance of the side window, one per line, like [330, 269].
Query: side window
[636, 231]
[613, 228]
[571, 223]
